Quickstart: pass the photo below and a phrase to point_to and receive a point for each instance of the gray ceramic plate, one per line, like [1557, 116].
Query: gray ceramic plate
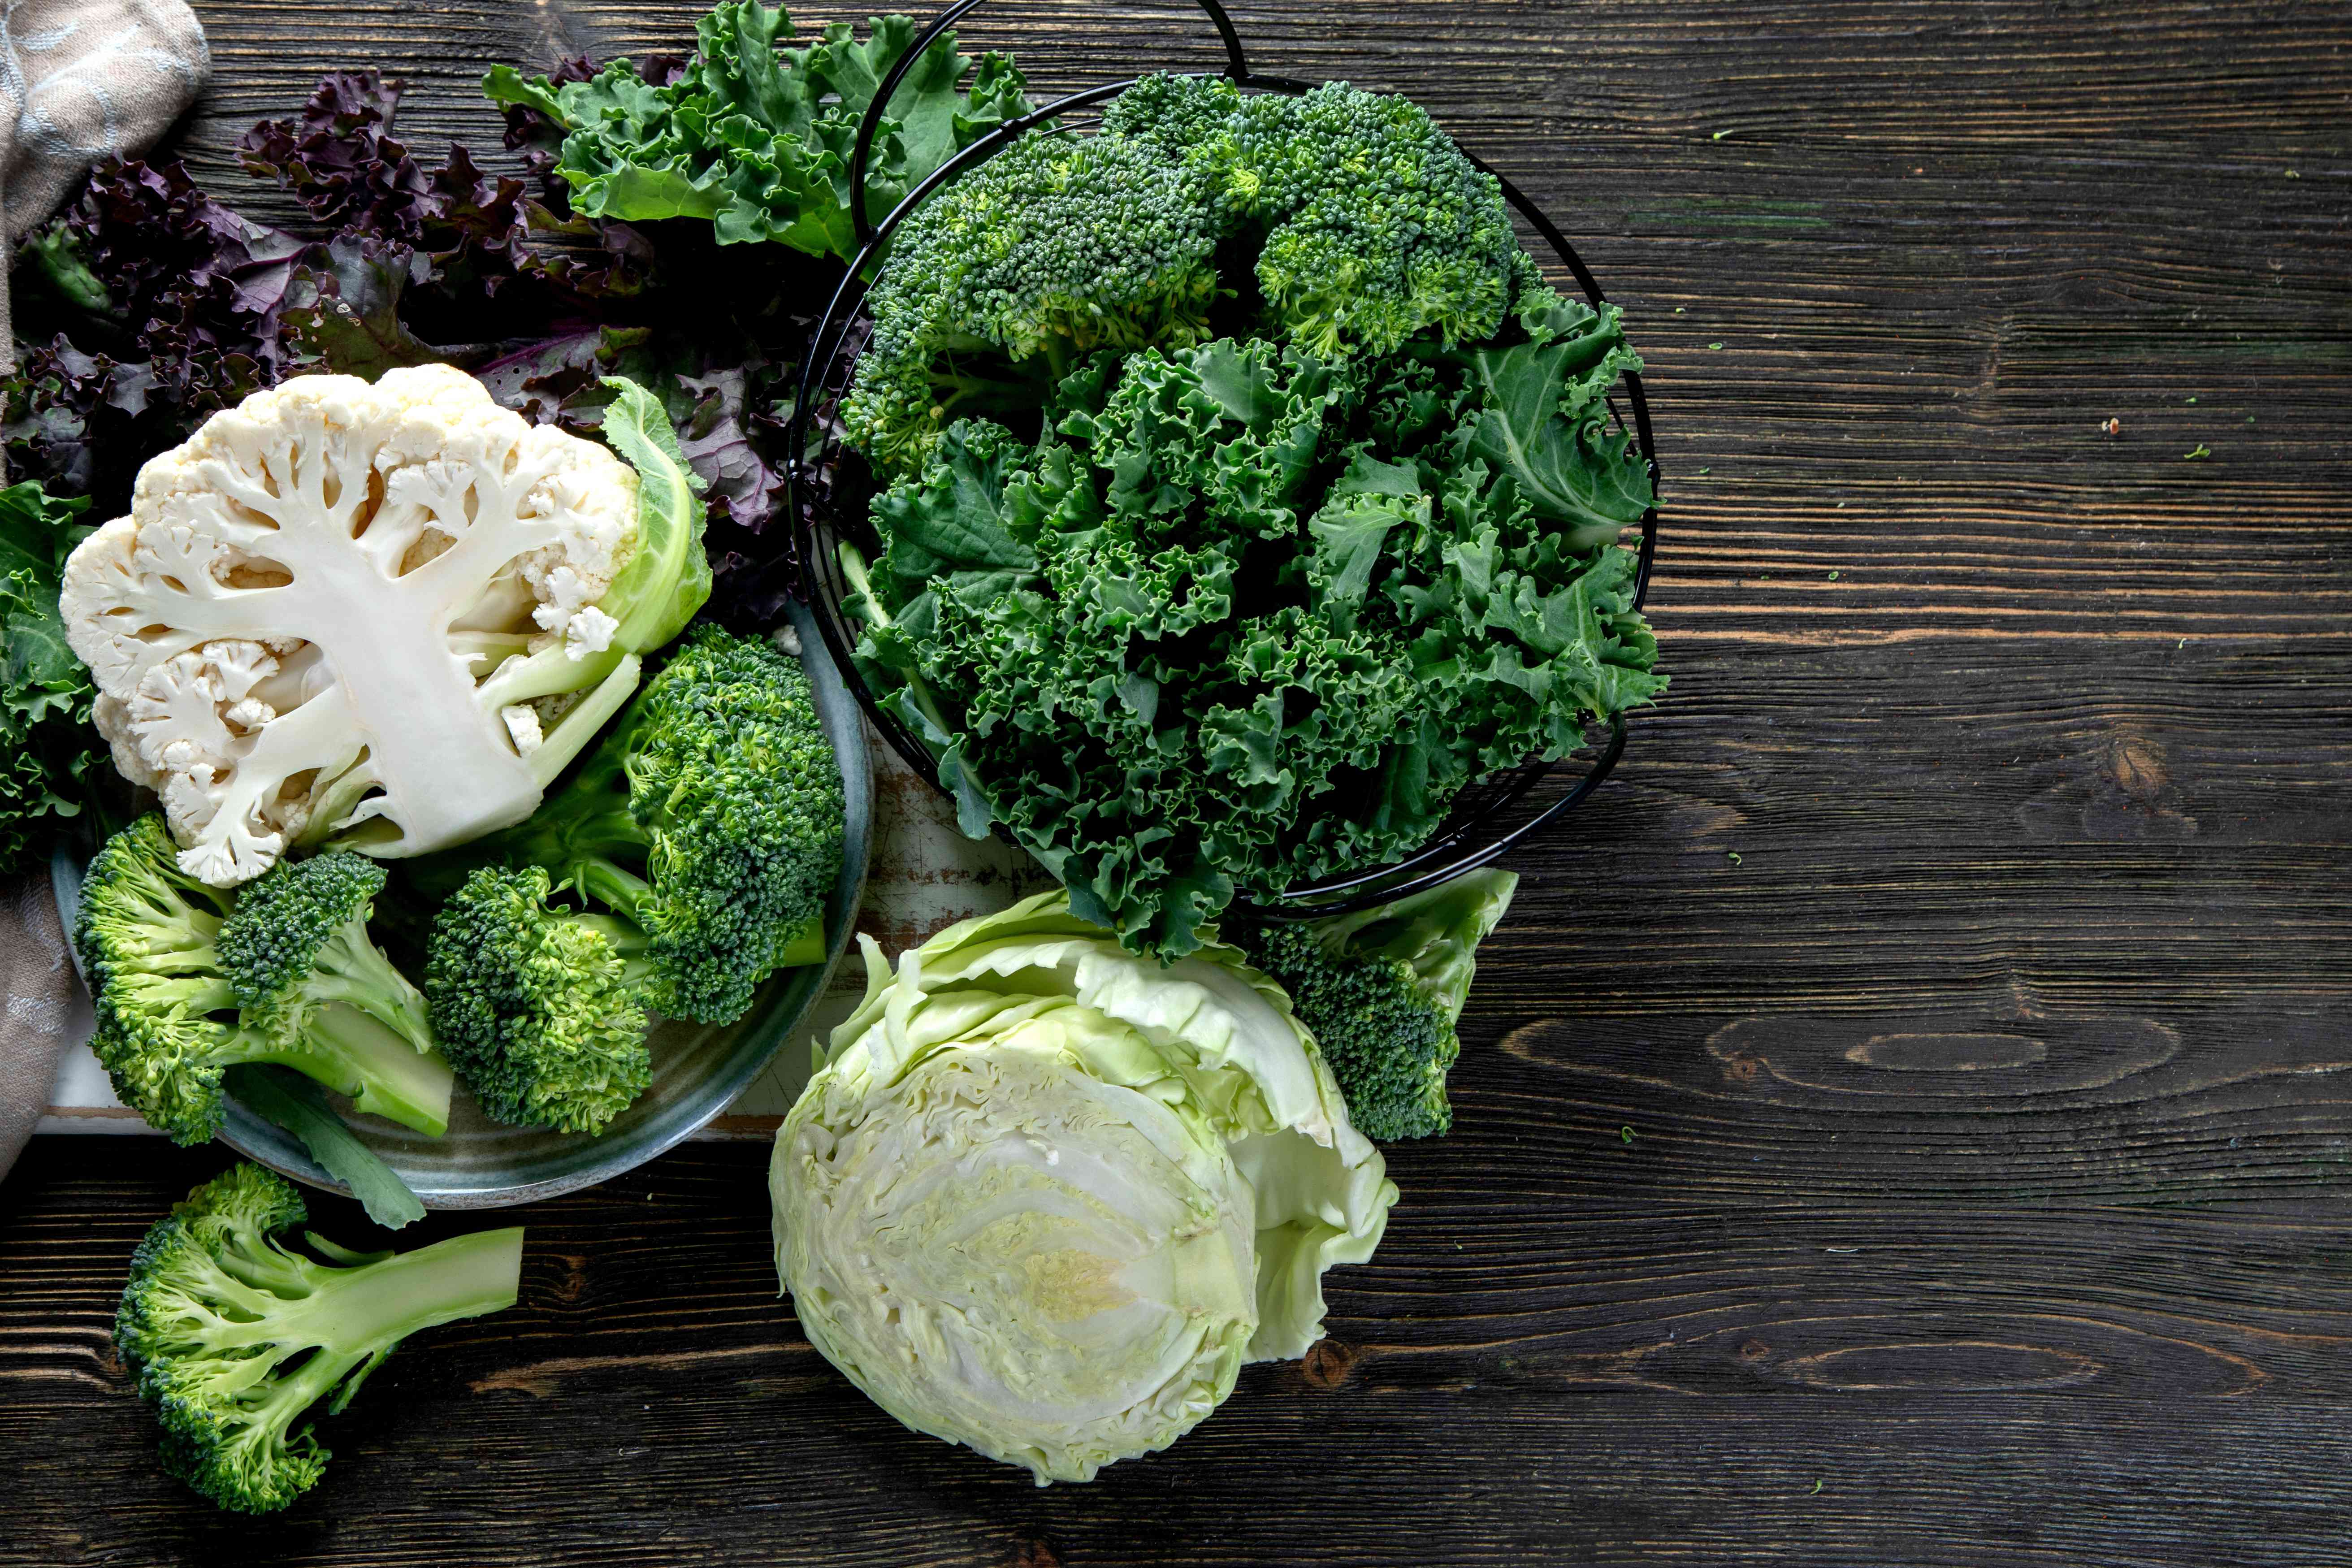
[697, 1069]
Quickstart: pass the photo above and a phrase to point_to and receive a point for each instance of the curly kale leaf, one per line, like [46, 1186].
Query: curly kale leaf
[1540, 419]
[756, 137]
[47, 746]
[1240, 616]
[160, 307]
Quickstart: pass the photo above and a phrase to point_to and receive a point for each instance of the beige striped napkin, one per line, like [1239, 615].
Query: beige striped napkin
[78, 79]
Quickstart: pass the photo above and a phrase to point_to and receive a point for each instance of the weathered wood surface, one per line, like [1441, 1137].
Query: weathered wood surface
[1905, 1119]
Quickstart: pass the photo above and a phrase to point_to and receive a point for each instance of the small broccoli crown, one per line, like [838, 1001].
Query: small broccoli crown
[233, 1336]
[535, 1006]
[733, 779]
[199, 1280]
[298, 939]
[165, 1055]
[285, 917]
[1388, 1042]
[1054, 248]
[140, 911]
[1381, 227]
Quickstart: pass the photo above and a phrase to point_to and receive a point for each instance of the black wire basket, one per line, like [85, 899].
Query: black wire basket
[828, 507]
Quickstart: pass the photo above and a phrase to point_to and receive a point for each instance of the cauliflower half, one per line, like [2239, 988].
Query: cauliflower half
[387, 613]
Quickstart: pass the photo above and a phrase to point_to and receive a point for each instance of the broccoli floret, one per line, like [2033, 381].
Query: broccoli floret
[298, 941]
[1379, 229]
[1052, 250]
[537, 1007]
[1381, 990]
[1343, 223]
[169, 1022]
[233, 1334]
[710, 820]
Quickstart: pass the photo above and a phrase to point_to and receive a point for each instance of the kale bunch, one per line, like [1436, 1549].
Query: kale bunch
[1248, 496]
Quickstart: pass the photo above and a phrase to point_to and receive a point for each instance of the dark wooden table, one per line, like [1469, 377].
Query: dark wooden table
[1905, 1120]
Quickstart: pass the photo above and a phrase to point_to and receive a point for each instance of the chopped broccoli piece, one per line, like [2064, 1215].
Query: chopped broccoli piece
[710, 820]
[298, 940]
[1382, 991]
[1343, 222]
[233, 1334]
[169, 1022]
[537, 1007]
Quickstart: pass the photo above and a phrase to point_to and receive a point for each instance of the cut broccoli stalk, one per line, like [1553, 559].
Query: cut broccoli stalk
[1381, 990]
[176, 1007]
[217, 1310]
[352, 1054]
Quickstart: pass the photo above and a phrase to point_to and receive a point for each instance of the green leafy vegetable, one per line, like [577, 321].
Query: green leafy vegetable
[1247, 496]
[296, 1104]
[1044, 1199]
[48, 748]
[755, 137]
[1203, 638]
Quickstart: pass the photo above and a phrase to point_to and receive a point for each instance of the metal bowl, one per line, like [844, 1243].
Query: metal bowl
[697, 1069]
[1490, 817]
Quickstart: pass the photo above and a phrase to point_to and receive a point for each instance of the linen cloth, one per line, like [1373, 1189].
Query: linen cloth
[78, 79]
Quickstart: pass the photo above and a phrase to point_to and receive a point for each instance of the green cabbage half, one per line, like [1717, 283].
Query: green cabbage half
[1045, 1197]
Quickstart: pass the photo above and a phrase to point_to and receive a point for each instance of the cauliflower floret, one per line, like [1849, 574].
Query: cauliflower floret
[522, 723]
[288, 631]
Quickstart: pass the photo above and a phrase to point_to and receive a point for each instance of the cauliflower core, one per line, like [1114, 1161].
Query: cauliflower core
[340, 604]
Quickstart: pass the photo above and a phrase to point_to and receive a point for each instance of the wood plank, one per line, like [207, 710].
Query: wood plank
[1527, 1370]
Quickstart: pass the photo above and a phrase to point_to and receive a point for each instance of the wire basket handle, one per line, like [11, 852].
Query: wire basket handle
[1236, 67]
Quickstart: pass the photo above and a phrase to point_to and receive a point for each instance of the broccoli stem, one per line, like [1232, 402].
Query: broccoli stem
[371, 1309]
[615, 888]
[629, 942]
[385, 1075]
[353, 1314]
[349, 968]
[805, 946]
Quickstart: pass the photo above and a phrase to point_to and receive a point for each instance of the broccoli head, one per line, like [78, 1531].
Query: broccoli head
[233, 1335]
[167, 998]
[1343, 222]
[298, 941]
[537, 1007]
[709, 819]
[1382, 991]
[1054, 248]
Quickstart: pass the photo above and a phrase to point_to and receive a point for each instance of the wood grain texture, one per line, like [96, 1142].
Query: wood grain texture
[1907, 1118]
